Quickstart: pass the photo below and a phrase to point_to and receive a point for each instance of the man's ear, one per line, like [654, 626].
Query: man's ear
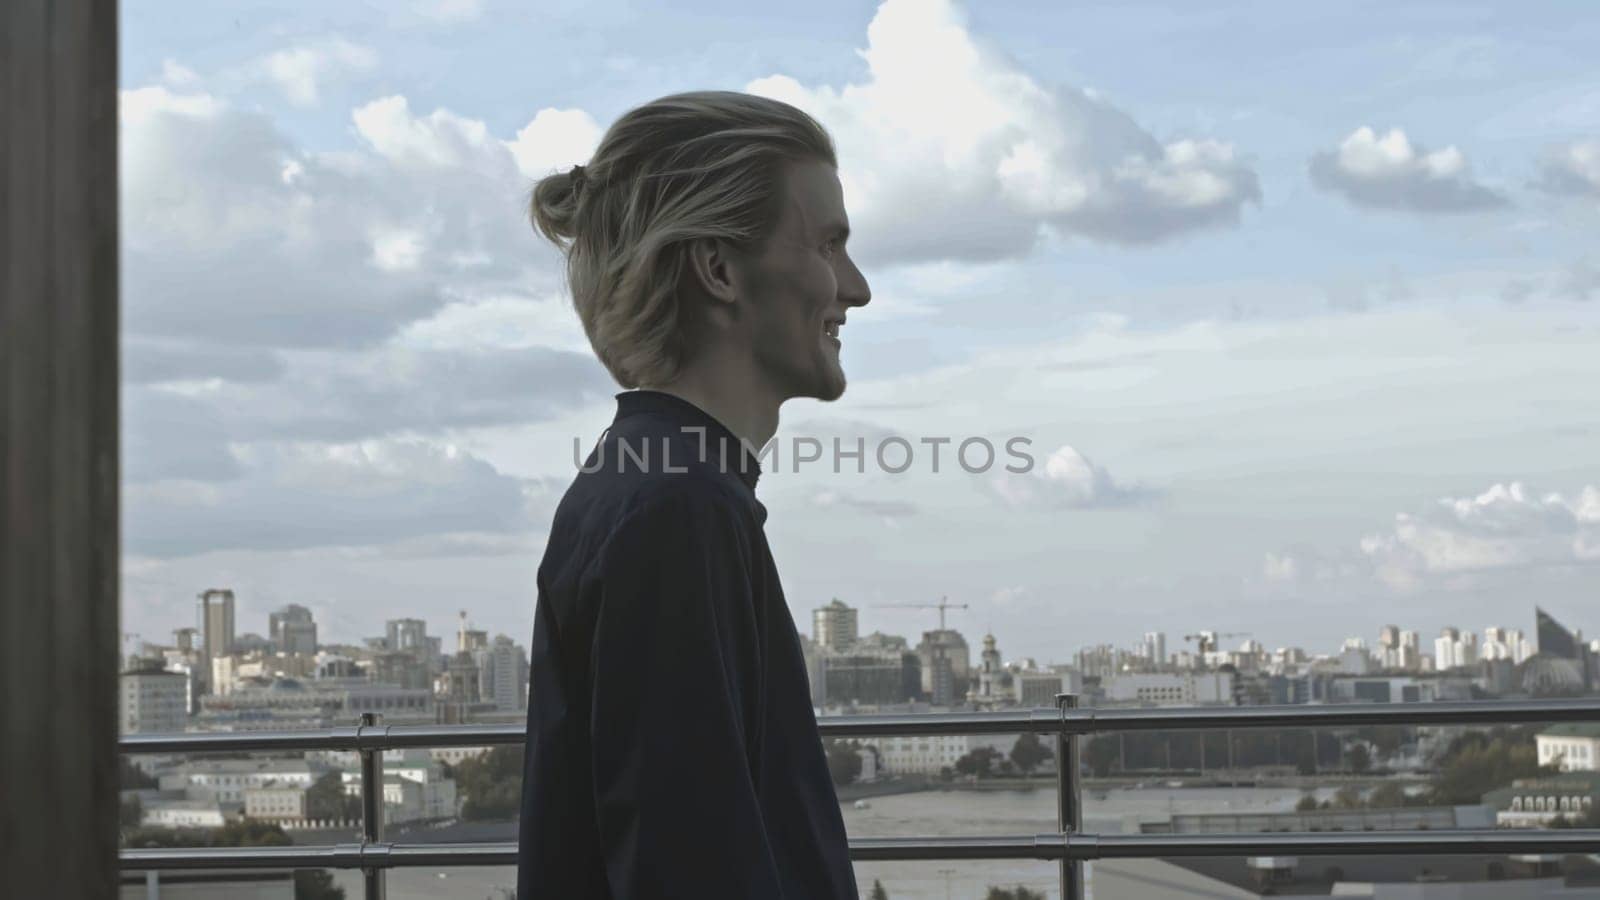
[712, 267]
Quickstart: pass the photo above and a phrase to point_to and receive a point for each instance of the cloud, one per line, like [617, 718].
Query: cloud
[949, 150]
[449, 12]
[1506, 526]
[1451, 542]
[168, 435]
[236, 237]
[1572, 169]
[345, 396]
[177, 74]
[1066, 480]
[146, 360]
[1389, 172]
[1277, 567]
[555, 139]
[298, 71]
[1576, 282]
[300, 495]
[884, 508]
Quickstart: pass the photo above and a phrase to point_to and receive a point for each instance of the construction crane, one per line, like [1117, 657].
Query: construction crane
[1208, 639]
[941, 606]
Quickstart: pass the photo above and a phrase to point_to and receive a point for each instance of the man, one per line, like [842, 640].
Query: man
[672, 750]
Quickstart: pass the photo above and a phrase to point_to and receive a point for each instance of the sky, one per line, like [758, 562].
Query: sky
[1294, 310]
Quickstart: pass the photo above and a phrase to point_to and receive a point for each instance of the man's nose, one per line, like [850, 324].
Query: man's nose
[855, 291]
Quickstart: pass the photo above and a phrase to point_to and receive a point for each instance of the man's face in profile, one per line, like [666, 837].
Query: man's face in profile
[802, 285]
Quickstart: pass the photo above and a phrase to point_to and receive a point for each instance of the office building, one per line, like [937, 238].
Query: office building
[214, 624]
[292, 630]
[406, 635]
[152, 700]
[834, 626]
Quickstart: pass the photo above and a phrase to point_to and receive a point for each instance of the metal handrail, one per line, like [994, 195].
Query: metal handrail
[1040, 720]
[1049, 846]
[1067, 722]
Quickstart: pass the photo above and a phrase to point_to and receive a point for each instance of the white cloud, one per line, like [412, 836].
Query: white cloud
[300, 71]
[1389, 172]
[1277, 567]
[1065, 480]
[555, 139]
[301, 495]
[234, 236]
[1573, 169]
[886, 509]
[177, 75]
[1506, 526]
[499, 322]
[949, 150]
[1453, 542]
[449, 12]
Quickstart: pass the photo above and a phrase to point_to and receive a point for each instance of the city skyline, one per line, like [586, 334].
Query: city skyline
[839, 616]
[1285, 347]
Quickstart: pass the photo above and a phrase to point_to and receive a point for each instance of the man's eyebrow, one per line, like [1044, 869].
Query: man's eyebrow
[837, 229]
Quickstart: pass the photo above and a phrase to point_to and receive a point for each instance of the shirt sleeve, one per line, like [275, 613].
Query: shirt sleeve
[677, 669]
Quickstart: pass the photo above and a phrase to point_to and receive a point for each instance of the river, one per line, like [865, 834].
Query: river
[956, 812]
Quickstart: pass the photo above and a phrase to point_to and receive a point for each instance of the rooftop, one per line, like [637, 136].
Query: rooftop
[1573, 729]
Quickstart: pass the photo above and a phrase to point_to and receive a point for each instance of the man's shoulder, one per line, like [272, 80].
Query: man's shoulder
[604, 497]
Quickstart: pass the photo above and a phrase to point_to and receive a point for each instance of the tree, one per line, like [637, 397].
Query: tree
[1347, 797]
[1388, 796]
[1360, 758]
[491, 784]
[978, 762]
[132, 812]
[878, 893]
[1476, 764]
[131, 776]
[237, 833]
[1028, 752]
[1308, 802]
[326, 799]
[844, 761]
[316, 884]
[1017, 893]
[1100, 752]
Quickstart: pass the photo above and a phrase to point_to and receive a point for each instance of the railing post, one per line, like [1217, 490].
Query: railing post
[371, 808]
[1069, 791]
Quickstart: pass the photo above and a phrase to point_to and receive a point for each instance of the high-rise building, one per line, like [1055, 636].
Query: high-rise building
[1554, 639]
[1410, 653]
[1389, 646]
[1154, 648]
[834, 626]
[940, 676]
[949, 644]
[153, 701]
[214, 623]
[292, 630]
[406, 635]
[871, 676]
[1444, 649]
[503, 674]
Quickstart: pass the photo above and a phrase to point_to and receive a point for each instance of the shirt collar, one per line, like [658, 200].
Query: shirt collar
[717, 435]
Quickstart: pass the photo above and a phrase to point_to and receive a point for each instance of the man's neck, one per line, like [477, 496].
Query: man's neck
[750, 414]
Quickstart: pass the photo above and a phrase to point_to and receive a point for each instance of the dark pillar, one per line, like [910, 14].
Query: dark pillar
[58, 448]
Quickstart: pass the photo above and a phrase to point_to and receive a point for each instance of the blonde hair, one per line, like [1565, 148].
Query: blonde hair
[704, 164]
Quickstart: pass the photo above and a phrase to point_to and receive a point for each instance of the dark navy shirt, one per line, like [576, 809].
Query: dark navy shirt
[672, 748]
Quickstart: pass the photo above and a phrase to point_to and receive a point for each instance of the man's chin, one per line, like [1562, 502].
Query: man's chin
[830, 387]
